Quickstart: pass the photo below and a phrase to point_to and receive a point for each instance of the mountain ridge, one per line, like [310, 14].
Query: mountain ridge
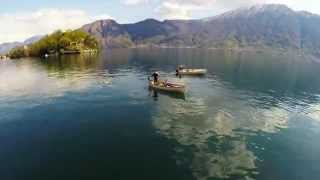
[270, 25]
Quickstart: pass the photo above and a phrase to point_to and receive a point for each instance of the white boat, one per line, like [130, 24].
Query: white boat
[192, 72]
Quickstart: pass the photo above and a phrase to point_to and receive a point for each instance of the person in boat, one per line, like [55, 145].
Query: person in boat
[178, 69]
[155, 76]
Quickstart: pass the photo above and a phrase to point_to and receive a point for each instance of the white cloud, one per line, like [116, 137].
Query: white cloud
[181, 9]
[173, 10]
[135, 2]
[185, 9]
[20, 26]
[102, 16]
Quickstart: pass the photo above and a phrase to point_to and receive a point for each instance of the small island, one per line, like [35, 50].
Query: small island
[58, 43]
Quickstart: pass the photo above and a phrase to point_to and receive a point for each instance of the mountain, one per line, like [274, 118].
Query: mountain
[6, 47]
[269, 25]
[109, 33]
[32, 39]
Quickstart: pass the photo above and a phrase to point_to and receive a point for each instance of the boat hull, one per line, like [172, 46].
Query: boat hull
[177, 89]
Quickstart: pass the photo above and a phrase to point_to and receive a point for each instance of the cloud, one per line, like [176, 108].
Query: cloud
[181, 9]
[173, 10]
[20, 26]
[102, 16]
[186, 9]
[135, 2]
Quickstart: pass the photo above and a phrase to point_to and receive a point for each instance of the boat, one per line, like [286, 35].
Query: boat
[195, 72]
[167, 86]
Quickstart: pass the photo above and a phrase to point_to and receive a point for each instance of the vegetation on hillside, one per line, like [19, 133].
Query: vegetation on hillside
[59, 42]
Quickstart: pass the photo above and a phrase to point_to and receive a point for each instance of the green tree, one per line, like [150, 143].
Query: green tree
[18, 52]
[68, 40]
[91, 42]
[64, 42]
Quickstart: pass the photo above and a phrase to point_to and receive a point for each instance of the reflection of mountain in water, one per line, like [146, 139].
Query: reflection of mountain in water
[217, 130]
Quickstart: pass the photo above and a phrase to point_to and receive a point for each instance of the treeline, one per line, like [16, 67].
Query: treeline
[58, 42]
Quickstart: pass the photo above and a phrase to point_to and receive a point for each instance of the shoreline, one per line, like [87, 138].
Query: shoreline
[280, 51]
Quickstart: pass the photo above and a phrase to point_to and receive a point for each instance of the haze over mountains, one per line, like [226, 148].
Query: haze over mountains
[272, 25]
[5, 47]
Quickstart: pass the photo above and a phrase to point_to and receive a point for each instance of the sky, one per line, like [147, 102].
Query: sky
[21, 19]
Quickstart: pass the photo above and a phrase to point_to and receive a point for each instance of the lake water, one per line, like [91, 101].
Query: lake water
[253, 116]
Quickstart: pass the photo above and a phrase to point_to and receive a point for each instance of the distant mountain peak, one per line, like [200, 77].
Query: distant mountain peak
[270, 7]
[307, 14]
[280, 8]
[254, 10]
[6, 47]
[102, 22]
[106, 22]
[149, 21]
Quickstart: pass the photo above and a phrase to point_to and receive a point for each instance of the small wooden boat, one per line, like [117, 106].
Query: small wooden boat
[168, 87]
[196, 72]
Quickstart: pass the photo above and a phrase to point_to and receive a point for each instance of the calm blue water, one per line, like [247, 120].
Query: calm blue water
[254, 116]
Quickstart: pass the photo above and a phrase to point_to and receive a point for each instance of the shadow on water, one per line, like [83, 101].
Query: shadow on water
[155, 94]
